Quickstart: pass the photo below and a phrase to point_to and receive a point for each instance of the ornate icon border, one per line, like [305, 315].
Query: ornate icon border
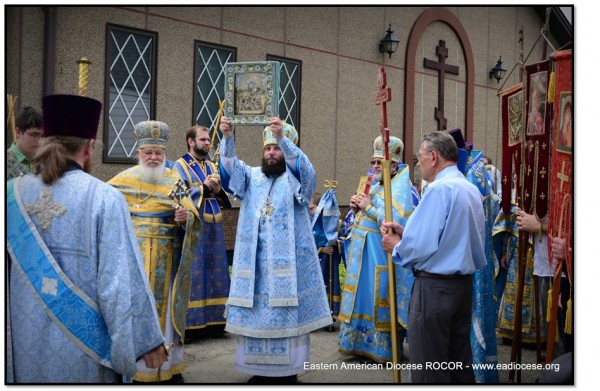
[272, 71]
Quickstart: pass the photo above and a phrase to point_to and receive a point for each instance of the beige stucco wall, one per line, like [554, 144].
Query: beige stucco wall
[338, 47]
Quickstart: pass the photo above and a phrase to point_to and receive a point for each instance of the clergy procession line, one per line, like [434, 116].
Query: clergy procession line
[117, 277]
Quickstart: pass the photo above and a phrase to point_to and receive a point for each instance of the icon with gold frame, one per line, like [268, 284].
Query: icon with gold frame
[251, 92]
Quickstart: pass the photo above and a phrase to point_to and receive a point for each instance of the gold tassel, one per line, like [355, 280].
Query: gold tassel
[551, 87]
[569, 315]
[549, 306]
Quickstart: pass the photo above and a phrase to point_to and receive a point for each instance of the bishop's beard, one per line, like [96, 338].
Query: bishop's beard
[274, 169]
[152, 174]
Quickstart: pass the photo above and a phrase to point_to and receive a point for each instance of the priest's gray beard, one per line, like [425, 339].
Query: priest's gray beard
[152, 175]
[379, 176]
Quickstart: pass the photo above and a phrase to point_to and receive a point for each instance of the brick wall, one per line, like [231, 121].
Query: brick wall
[230, 220]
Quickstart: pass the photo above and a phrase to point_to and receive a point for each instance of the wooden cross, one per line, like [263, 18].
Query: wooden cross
[179, 192]
[45, 209]
[383, 96]
[562, 176]
[442, 52]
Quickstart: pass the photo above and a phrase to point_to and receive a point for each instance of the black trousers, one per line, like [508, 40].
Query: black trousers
[439, 326]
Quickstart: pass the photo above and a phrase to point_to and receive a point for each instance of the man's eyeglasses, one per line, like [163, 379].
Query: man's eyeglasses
[34, 134]
[376, 162]
[419, 154]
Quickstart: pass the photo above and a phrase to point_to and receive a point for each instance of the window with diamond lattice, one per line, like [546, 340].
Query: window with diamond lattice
[130, 93]
[289, 89]
[209, 82]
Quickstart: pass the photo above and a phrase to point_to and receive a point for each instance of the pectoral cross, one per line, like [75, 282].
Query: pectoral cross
[179, 192]
[267, 210]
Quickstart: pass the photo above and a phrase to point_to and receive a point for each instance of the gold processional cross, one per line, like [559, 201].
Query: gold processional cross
[179, 192]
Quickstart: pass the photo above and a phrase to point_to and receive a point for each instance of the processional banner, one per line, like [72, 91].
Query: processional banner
[526, 129]
[536, 158]
[512, 133]
[561, 186]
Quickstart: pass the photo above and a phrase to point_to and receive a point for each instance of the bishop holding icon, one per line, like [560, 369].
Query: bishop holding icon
[277, 295]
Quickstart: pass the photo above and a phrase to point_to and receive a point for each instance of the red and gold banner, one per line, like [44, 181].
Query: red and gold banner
[561, 186]
[536, 158]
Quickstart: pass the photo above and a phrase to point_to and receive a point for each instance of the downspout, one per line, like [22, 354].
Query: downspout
[49, 50]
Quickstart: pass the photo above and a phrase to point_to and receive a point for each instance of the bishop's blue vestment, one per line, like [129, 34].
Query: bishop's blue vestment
[277, 294]
[365, 311]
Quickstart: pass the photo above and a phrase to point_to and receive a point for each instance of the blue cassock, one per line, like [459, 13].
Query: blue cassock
[210, 269]
[325, 229]
[483, 319]
[365, 313]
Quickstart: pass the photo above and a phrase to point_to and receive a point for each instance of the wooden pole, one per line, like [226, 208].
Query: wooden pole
[387, 194]
[382, 96]
[84, 68]
[538, 342]
[521, 267]
[217, 123]
[553, 314]
[215, 130]
[10, 121]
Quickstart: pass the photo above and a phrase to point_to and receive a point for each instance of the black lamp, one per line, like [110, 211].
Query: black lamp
[498, 71]
[389, 43]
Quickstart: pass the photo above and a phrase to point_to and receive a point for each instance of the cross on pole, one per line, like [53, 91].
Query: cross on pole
[383, 96]
[179, 192]
[442, 52]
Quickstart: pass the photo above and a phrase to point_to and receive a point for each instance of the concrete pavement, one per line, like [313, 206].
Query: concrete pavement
[210, 360]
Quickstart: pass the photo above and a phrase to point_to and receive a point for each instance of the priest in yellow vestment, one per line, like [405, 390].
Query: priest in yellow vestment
[167, 227]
